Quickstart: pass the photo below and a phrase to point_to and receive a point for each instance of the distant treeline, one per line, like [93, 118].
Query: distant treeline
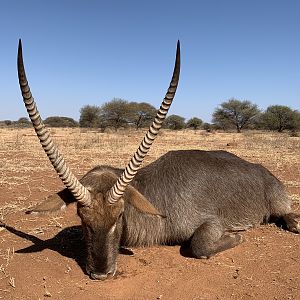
[231, 114]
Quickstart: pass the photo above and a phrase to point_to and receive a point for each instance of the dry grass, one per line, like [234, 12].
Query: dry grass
[22, 156]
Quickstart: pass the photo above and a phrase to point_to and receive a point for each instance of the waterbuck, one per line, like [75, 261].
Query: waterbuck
[198, 198]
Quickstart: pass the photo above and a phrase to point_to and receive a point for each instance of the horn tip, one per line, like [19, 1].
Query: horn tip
[20, 43]
[20, 51]
[178, 49]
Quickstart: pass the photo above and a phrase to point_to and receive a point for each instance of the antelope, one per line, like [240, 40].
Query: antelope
[201, 199]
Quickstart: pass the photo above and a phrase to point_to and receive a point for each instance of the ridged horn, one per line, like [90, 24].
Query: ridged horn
[81, 194]
[118, 189]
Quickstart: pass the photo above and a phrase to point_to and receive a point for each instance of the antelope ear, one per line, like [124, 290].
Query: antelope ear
[55, 202]
[136, 199]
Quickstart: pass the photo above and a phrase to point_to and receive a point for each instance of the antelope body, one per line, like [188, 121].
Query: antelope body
[198, 198]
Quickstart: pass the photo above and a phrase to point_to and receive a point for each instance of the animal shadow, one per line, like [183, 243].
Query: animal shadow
[68, 242]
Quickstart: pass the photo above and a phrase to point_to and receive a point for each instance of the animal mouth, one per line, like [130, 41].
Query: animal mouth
[102, 276]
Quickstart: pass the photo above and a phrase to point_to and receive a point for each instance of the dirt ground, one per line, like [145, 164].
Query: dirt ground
[43, 256]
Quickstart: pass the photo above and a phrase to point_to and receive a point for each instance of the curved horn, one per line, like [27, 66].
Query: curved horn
[118, 189]
[81, 194]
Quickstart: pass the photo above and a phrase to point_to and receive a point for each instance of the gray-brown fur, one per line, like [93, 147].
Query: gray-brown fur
[202, 198]
[192, 187]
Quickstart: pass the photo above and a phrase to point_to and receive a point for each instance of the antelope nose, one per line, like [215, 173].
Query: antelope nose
[99, 276]
[102, 276]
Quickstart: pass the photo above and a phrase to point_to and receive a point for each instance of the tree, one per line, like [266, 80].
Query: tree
[174, 122]
[57, 121]
[280, 117]
[7, 122]
[207, 127]
[23, 122]
[297, 120]
[235, 112]
[194, 123]
[90, 116]
[142, 114]
[116, 113]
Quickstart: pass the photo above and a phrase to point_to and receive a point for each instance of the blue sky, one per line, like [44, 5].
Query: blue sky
[89, 52]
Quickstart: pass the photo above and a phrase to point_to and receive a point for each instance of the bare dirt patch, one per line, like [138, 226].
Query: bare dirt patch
[43, 257]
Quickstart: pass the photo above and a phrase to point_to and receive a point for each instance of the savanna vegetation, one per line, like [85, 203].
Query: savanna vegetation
[231, 115]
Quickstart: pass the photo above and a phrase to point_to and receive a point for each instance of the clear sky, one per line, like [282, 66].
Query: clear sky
[89, 52]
